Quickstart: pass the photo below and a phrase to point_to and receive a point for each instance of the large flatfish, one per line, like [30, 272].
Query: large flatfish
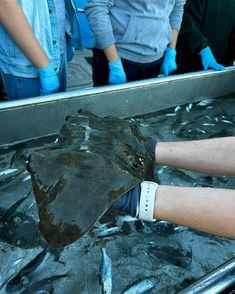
[77, 179]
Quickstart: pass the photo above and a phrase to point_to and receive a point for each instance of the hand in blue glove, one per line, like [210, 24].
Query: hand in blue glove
[209, 61]
[116, 73]
[48, 79]
[169, 61]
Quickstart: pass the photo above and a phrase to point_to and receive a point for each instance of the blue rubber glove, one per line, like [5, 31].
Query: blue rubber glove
[116, 73]
[209, 61]
[48, 79]
[169, 61]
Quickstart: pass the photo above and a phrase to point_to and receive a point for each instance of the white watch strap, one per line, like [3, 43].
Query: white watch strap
[147, 200]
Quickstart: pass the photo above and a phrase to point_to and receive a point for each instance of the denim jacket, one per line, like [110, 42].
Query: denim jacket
[41, 16]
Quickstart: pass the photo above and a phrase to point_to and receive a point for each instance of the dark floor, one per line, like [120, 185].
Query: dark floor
[80, 70]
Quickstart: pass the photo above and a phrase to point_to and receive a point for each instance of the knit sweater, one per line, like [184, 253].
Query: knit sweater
[140, 29]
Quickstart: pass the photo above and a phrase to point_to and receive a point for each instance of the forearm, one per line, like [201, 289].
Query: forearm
[17, 26]
[173, 43]
[111, 53]
[216, 156]
[205, 209]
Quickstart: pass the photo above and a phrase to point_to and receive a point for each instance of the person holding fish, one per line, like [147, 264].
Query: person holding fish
[207, 35]
[210, 210]
[36, 41]
[133, 39]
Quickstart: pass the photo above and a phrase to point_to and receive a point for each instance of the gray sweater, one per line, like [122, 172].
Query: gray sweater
[141, 29]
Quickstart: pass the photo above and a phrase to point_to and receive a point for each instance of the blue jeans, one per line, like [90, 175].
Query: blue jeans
[18, 87]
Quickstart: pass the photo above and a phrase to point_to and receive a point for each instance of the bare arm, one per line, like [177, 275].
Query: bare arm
[174, 39]
[17, 26]
[204, 209]
[111, 53]
[216, 156]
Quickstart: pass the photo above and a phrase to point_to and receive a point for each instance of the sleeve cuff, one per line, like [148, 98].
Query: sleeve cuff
[175, 24]
[104, 41]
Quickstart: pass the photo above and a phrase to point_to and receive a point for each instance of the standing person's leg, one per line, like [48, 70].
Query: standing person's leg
[137, 71]
[19, 87]
[151, 71]
[131, 71]
[63, 73]
[2, 94]
[186, 60]
[100, 68]
[215, 156]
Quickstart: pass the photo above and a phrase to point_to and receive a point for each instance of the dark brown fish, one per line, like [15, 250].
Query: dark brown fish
[95, 161]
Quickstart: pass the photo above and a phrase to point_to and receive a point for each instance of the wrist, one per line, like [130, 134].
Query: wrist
[115, 64]
[147, 201]
[47, 70]
[118, 60]
[205, 51]
[171, 51]
[43, 64]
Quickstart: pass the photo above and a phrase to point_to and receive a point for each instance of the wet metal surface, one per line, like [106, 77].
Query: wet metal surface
[156, 257]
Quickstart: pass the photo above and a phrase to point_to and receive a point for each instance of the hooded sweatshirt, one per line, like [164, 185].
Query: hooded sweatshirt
[140, 29]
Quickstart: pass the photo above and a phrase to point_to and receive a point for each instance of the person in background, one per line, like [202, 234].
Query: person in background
[207, 36]
[36, 40]
[133, 39]
[210, 210]
[1, 92]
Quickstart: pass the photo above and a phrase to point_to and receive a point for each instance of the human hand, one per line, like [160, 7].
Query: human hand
[116, 73]
[209, 61]
[48, 79]
[169, 61]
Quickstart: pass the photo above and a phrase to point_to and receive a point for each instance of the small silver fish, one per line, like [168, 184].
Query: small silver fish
[205, 102]
[177, 108]
[17, 282]
[180, 229]
[26, 179]
[37, 286]
[108, 232]
[17, 261]
[140, 287]
[11, 274]
[106, 273]
[171, 114]
[198, 131]
[184, 123]
[227, 121]
[126, 218]
[208, 124]
[189, 107]
[161, 170]
[8, 171]
[7, 216]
